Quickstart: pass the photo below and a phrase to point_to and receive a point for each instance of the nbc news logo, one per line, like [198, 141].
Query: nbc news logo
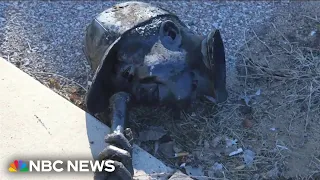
[18, 166]
[62, 166]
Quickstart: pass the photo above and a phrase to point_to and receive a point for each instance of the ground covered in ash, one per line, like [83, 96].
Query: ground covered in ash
[269, 127]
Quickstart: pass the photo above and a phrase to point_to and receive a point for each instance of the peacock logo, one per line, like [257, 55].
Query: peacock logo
[18, 166]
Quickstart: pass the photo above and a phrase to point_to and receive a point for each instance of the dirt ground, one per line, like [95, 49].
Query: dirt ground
[273, 108]
[272, 111]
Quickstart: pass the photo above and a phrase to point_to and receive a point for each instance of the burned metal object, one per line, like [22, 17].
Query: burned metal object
[146, 55]
[149, 53]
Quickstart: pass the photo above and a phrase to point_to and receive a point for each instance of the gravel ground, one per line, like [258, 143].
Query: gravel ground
[47, 36]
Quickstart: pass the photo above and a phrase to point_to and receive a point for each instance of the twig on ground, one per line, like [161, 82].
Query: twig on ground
[29, 46]
[290, 45]
[315, 18]
[309, 106]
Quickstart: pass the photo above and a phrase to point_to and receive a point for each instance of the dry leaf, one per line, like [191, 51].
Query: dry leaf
[53, 83]
[73, 90]
[76, 99]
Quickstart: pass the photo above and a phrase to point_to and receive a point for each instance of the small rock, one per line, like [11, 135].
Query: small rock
[26, 62]
[44, 47]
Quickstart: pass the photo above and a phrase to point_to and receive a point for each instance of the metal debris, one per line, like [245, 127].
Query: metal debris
[248, 157]
[240, 150]
[195, 171]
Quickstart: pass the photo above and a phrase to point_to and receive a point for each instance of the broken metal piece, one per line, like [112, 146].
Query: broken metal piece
[151, 47]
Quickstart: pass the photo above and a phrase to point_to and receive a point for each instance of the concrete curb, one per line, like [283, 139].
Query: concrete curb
[38, 123]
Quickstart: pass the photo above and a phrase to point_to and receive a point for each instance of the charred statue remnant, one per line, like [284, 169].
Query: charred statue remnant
[143, 54]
